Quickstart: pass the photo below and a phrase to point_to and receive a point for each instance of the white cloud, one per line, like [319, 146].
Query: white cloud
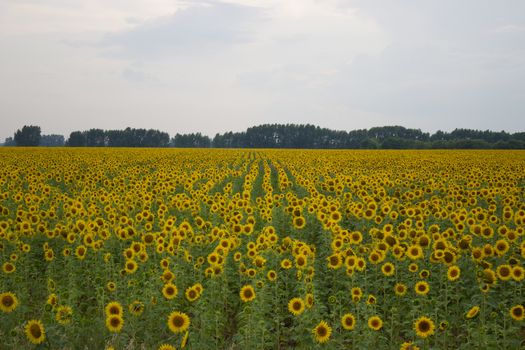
[77, 16]
[213, 66]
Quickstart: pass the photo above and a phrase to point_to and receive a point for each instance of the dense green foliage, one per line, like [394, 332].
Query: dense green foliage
[28, 136]
[289, 136]
[118, 138]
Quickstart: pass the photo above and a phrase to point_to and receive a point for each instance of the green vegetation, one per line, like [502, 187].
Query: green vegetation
[281, 136]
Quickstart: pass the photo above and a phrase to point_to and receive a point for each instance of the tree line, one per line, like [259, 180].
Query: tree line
[279, 136]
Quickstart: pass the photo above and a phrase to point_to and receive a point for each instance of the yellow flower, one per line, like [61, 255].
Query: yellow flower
[375, 323]
[517, 312]
[422, 288]
[8, 302]
[64, 314]
[296, 306]
[388, 269]
[114, 323]
[348, 321]
[113, 308]
[169, 291]
[424, 327]
[322, 332]
[473, 312]
[453, 273]
[178, 322]
[35, 331]
[167, 347]
[247, 293]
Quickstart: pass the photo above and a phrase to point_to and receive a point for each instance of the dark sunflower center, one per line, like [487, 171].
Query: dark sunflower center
[349, 321]
[8, 301]
[178, 321]
[297, 306]
[321, 331]
[115, 322]
[424, 326]
[35, 331]
[518, 312]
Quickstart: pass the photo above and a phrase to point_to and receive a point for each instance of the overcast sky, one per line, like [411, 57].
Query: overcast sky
[214, 66]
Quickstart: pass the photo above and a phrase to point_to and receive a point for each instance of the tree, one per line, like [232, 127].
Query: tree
[9, 142]
[52, 141]
[76, 139]
[28, 136]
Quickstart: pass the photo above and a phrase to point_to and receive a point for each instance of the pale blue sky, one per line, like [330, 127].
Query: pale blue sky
[213, 66]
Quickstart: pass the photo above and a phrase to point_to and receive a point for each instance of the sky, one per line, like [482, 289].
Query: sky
[215, 66]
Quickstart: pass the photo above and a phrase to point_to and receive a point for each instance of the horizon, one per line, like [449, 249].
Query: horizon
[66, 136]
[184, 66]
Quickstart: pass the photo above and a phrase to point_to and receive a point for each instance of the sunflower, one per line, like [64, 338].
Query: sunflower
[8, 268]
[80, 252]
[301, 261]
[114, 323]
[136, 308]
[371, 300]
[130, 266]
[64, 314]
[35, 332]
[334, 261]
[191, 294]
[309, 300]
[272, 275]
[424, 273]
[8, 302]
[113, 308]
[375, 323]
[286, 264]
[357, 293]
[504, 272]
[518, 273]
[414, 252]
[424, 327]
[111, 286]
[453, 273]
[422, 288]
[408, 345]
[473, 312]
[443, 325]
[413, 267]
[388, 269]
[247, 293]
[169, 291]
[299, 222]
[348, 321]
[322, 332]
[517, 312]
[166, 347]
[52, 299]
[178, 322]
[400, 289]
[296, 306]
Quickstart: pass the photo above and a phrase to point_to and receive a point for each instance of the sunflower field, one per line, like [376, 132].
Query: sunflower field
[261, 249]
